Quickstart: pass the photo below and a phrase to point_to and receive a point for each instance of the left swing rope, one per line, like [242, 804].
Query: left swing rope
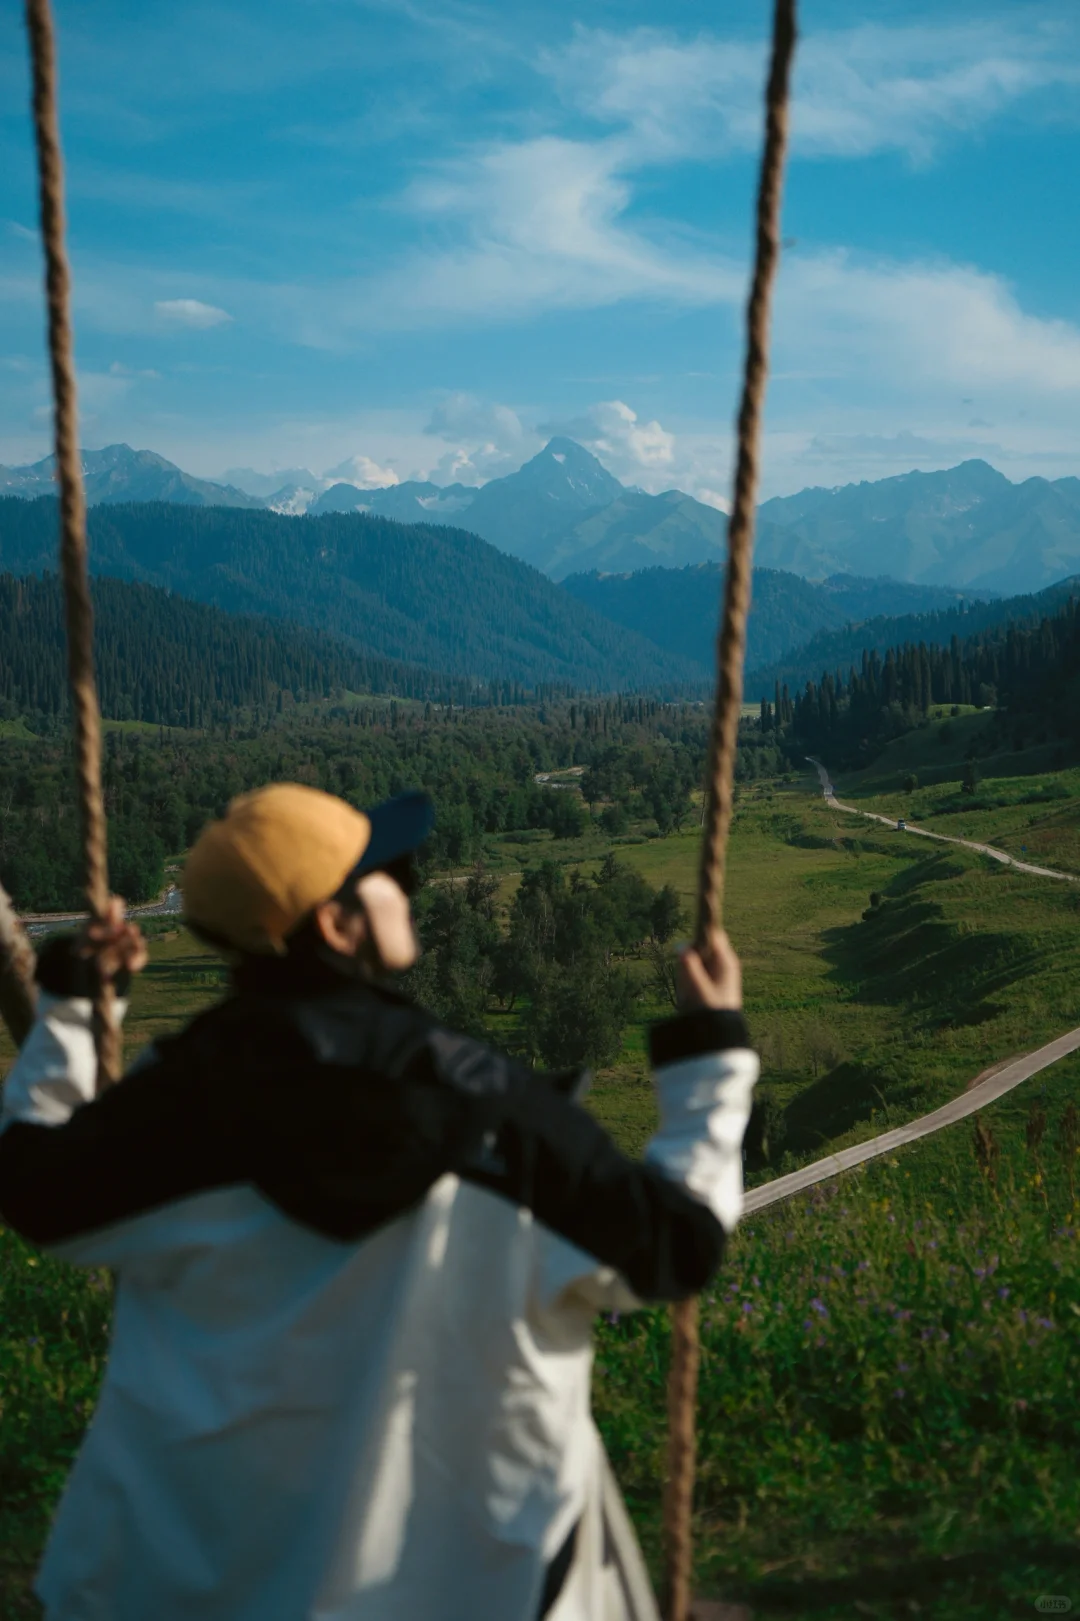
[86, 713]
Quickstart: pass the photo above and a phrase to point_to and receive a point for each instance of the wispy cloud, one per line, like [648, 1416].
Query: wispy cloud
[917, 325]
[543, 226]
[857, 91]
[190, 312]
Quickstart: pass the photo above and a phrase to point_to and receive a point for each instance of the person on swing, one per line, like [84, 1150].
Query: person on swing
[357, 1257]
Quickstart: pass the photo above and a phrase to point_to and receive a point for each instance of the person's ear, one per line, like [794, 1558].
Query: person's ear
[389, 918]
[342, 928]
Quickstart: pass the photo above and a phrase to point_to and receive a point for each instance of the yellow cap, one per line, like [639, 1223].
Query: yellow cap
[274, 855]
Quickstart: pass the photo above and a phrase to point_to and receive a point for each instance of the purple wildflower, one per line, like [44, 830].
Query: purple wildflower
[819, 1306]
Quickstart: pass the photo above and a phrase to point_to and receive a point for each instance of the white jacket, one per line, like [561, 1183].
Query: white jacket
[292, 1428]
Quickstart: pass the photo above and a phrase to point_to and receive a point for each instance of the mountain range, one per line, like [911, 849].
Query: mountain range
[968, 528]
[435, 597]
[558, 511]
[119, 473]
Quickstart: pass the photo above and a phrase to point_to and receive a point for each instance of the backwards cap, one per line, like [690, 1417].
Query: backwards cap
[277, 852]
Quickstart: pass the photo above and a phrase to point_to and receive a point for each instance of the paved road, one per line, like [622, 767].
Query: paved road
[943, 838]
[168, 905]
[975, 1098]
[995, 1086]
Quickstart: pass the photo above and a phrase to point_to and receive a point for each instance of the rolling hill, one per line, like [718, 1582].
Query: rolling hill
[840, 649]
[678, 608]
[440, 598]
[163, 659]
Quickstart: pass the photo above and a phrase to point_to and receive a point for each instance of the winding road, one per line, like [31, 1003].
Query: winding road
[976, 1097]
[969, 1102]
[943, 838]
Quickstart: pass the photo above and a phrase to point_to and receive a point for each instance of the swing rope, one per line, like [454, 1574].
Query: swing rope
[17, 994]
[731, 650]
[73, 565]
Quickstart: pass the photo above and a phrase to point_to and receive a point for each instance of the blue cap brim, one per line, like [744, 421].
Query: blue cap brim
[398, 826]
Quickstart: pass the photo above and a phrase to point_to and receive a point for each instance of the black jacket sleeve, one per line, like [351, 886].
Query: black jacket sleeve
[344, 1118]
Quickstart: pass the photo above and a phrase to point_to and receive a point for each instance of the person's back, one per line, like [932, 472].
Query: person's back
[350, 1368]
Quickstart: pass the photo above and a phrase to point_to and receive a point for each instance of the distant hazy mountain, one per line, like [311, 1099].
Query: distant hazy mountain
[639, 531]
[679, 608]
[428, 595]
[968, 526]
[119, 473]
[411, 502]
[525, 512]
[267, 485]
[839, 649]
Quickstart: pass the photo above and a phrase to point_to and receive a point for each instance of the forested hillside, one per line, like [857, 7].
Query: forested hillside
[436, 597]
[1028, 673]
[677, 607]
[171, 662]
[480, 765]
[836, 649]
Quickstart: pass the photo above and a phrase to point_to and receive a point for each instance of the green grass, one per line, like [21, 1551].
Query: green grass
[1021, 805]
[811, 1469]
[890, 1387]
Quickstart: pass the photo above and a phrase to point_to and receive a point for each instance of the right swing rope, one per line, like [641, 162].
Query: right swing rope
[731, 649]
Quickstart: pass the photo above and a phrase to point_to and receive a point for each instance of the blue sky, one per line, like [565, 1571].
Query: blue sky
[414, 237]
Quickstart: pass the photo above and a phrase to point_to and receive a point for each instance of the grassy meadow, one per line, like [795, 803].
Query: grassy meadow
[889, 1415]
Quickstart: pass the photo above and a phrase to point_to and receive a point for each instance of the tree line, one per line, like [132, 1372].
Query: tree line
[480, 764]
[1014, 668]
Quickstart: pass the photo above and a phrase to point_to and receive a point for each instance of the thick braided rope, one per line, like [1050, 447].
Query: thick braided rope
[17, 994]
[731, 649]
[73, 567]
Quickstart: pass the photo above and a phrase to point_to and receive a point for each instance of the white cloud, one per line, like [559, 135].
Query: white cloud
[463, 416]
[628, 447]
[861, 90]
[647, 444]
[190, 312]
[364, 473]
[540, 227]
[645, 454]
[914, 325]
[486, 438]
